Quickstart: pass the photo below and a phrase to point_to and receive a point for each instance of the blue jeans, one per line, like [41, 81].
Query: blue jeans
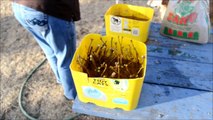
[56, 37]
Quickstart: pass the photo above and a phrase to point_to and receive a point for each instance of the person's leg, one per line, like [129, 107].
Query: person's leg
[62, 39]
[57, 39]
[27, 18]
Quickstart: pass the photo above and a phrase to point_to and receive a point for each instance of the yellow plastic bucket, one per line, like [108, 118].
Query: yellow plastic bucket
[107, 92]
[129, 21]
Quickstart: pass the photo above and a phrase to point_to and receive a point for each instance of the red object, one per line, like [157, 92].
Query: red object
[180, 33]
[176, 19]
[193, 17]
[190, 35]
[183, 21]
[170, 31]
[170, 17]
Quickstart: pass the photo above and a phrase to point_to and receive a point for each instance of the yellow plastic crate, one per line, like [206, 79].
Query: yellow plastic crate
[107, 92]
[129, 21]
